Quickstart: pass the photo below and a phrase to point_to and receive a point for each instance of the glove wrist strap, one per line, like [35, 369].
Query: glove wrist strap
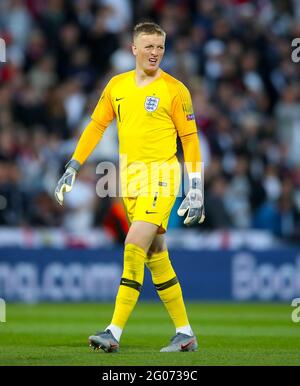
[195, 180]
[73, 164]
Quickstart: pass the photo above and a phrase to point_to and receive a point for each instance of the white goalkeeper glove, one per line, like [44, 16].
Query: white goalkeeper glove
[66, 182]
[193, 203]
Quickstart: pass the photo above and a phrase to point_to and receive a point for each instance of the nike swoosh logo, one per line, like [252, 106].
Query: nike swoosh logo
[185, 346]
[113, 345]
[147, 212]
[118, 99]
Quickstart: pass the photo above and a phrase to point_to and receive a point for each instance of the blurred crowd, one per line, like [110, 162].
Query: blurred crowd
[235, 57]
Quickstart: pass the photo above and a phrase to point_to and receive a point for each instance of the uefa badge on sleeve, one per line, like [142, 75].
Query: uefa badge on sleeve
[151, 103]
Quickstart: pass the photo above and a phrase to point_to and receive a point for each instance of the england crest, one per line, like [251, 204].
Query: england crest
[151, 103]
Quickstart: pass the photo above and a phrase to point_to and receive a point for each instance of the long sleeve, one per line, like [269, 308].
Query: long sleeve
[88, 141]
[182, 111]
[101, 118]
[191, 151]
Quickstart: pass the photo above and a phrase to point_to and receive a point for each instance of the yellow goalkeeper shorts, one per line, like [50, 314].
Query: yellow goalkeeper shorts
[152, 194]
[155, 209]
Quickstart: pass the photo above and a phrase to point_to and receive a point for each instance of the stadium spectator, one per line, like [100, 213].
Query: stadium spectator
[235, 56]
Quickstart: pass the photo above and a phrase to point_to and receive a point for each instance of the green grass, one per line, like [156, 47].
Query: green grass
[228, 334]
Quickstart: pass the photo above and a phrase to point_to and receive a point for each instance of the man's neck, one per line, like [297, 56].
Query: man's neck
[143, 78]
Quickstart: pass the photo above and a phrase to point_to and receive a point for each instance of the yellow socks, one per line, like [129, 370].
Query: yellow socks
[165, 281]
[130, 286]
[168, 287]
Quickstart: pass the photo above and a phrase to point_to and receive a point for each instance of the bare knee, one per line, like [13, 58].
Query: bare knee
[141, 234]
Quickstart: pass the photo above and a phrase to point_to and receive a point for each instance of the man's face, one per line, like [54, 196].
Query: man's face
[149, 51]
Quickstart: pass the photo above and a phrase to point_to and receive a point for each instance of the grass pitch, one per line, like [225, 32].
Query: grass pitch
[228, 334]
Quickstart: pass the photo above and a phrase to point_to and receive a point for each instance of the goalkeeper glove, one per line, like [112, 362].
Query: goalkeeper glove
[193, 202]
[65, 184]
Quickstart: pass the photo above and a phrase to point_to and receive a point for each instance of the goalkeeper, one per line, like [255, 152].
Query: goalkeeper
[151, 109]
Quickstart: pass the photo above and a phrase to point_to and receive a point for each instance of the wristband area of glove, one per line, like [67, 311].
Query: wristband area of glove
[73, 164]
[195, 180]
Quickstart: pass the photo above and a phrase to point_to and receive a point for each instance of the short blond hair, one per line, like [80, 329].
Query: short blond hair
[148, 28]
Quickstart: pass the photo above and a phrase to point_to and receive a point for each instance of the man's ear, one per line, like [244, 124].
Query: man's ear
[134, 49]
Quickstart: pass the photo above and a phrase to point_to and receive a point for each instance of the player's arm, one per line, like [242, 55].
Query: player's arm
[184, 120]
[86, 144]
[92, 134]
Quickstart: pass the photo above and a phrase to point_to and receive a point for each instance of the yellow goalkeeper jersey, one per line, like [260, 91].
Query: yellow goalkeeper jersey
[149, 118]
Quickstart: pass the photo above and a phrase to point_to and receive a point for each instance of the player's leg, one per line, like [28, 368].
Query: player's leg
[138, 240]
[137, 243]
[169, 291]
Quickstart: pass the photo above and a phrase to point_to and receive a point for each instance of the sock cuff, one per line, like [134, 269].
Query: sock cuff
[187, 330]
[133, 248]
[115, 330]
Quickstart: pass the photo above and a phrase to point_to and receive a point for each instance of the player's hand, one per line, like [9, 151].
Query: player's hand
[193, 204]
[66, 182]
